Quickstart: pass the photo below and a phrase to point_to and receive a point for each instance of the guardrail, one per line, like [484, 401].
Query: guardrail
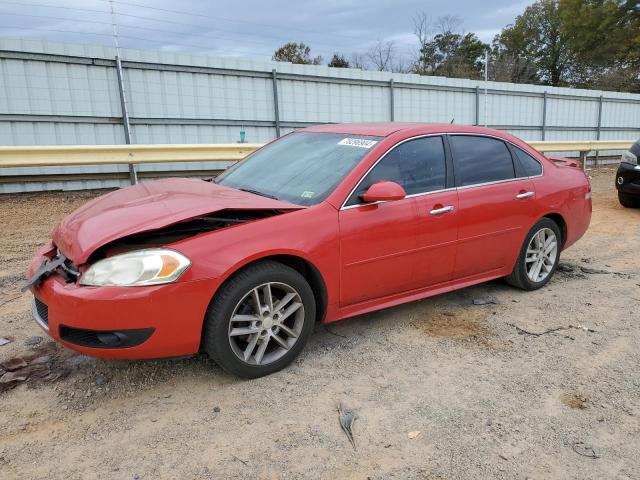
[72, 155]
[581, 146]
[96, 155]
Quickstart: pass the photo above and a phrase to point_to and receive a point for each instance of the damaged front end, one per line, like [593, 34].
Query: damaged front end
[181, 230]
[56, 264]
[145, 252]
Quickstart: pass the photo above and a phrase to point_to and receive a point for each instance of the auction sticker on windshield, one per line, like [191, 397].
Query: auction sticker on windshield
[357, 142]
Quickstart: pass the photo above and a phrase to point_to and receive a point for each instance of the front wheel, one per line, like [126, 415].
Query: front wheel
[628, 201]
[538, 257]
[260, 320]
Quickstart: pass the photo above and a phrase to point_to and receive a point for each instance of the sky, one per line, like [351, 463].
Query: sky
[248, 28]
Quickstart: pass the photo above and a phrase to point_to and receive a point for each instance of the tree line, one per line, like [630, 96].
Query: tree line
[575, 43]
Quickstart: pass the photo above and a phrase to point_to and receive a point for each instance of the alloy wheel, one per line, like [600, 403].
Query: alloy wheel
[541, 255]
[266, 323]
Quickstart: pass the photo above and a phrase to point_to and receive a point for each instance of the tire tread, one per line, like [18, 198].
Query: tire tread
[518, 277]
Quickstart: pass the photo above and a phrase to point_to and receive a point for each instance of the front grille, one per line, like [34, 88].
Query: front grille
[42, 310]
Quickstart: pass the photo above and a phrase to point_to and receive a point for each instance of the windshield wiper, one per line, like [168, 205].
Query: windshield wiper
[256, 192]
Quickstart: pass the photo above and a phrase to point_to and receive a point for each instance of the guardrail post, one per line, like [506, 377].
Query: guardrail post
[276, 111]
[544, 115]
[583, 159]
[391, 101]
[133, 176]
[598, 128]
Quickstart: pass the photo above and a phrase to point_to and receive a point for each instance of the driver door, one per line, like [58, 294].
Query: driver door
[381, 243]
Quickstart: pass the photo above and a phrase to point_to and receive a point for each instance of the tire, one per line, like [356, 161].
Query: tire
[628, 201]
[520, 277]
[283, 325]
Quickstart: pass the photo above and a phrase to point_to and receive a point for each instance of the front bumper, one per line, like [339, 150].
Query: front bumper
[123, 322]
[628, 178]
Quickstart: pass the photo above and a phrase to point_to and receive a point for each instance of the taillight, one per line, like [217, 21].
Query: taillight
[587, 196]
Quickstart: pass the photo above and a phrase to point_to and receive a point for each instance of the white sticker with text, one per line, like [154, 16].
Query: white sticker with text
[357, 142]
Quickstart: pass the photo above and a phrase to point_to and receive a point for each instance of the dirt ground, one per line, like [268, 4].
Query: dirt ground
[442, 388]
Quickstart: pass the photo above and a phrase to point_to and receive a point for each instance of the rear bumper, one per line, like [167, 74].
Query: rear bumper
[628, 179]
[123, 322]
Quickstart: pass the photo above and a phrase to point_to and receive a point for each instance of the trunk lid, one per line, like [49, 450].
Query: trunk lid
[149, 206]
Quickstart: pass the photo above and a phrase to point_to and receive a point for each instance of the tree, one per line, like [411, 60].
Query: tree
[537, 37]
[509, 62]
[338, 61]
[382, 55]
[604, 36]
[358, 60]
[446, 52]
[296, 53]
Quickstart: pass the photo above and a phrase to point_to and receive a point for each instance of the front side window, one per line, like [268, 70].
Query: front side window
[417, 165]
[480, 160]
[530, 165]
[301, 168]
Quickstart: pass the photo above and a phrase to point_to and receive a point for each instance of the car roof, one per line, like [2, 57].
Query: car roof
[383, 129]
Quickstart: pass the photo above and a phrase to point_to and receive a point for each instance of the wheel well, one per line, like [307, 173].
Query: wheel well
[307, 270]
[562, 225]
[311, 274]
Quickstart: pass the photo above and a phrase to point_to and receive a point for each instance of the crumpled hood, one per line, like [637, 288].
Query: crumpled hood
[149, 206]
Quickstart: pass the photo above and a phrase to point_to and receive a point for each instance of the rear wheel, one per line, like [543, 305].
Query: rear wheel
[628, 201]
[538, 257]
[260, 320]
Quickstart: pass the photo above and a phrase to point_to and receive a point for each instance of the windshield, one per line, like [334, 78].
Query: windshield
[301, 168]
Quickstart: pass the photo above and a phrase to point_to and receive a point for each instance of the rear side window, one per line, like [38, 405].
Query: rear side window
[530, 165]
[480, 160]
[417, 165]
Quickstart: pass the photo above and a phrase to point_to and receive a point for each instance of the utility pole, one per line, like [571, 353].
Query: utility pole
[133, 176]
[486, 79]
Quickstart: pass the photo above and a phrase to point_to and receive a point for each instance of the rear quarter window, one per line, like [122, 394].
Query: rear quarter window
[480, 160]
[530, 165]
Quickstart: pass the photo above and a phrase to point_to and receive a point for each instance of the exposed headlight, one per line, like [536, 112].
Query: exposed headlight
[629, 158]
[153, 266]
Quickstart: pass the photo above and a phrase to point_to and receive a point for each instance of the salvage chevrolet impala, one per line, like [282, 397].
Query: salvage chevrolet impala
[323, 224]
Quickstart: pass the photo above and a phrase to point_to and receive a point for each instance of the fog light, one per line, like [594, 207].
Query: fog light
[620, 180]
[109, 339]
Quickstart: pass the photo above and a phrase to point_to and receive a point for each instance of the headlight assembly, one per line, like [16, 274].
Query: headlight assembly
[629, 158]
[153, 266]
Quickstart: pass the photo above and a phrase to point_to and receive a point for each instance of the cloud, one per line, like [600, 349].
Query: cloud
[252, 28]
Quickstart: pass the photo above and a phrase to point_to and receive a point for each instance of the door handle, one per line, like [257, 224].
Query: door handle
[520, 196]
[440, 211]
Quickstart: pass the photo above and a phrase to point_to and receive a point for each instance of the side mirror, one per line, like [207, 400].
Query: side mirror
[384, 192]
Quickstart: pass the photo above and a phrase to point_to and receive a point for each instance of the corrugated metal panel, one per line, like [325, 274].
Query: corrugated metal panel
[572, 112]
[50, 133]
[44, 88]
[306, 101]
[200, 134]
[621, 114]
[179, 98]
[413, 105]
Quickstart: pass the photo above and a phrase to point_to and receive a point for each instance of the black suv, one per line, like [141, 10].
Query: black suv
[628, 178]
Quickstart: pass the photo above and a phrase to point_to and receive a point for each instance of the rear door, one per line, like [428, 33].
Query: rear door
[495, 206]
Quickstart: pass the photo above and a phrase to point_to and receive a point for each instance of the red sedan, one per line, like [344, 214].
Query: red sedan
[323, 224]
